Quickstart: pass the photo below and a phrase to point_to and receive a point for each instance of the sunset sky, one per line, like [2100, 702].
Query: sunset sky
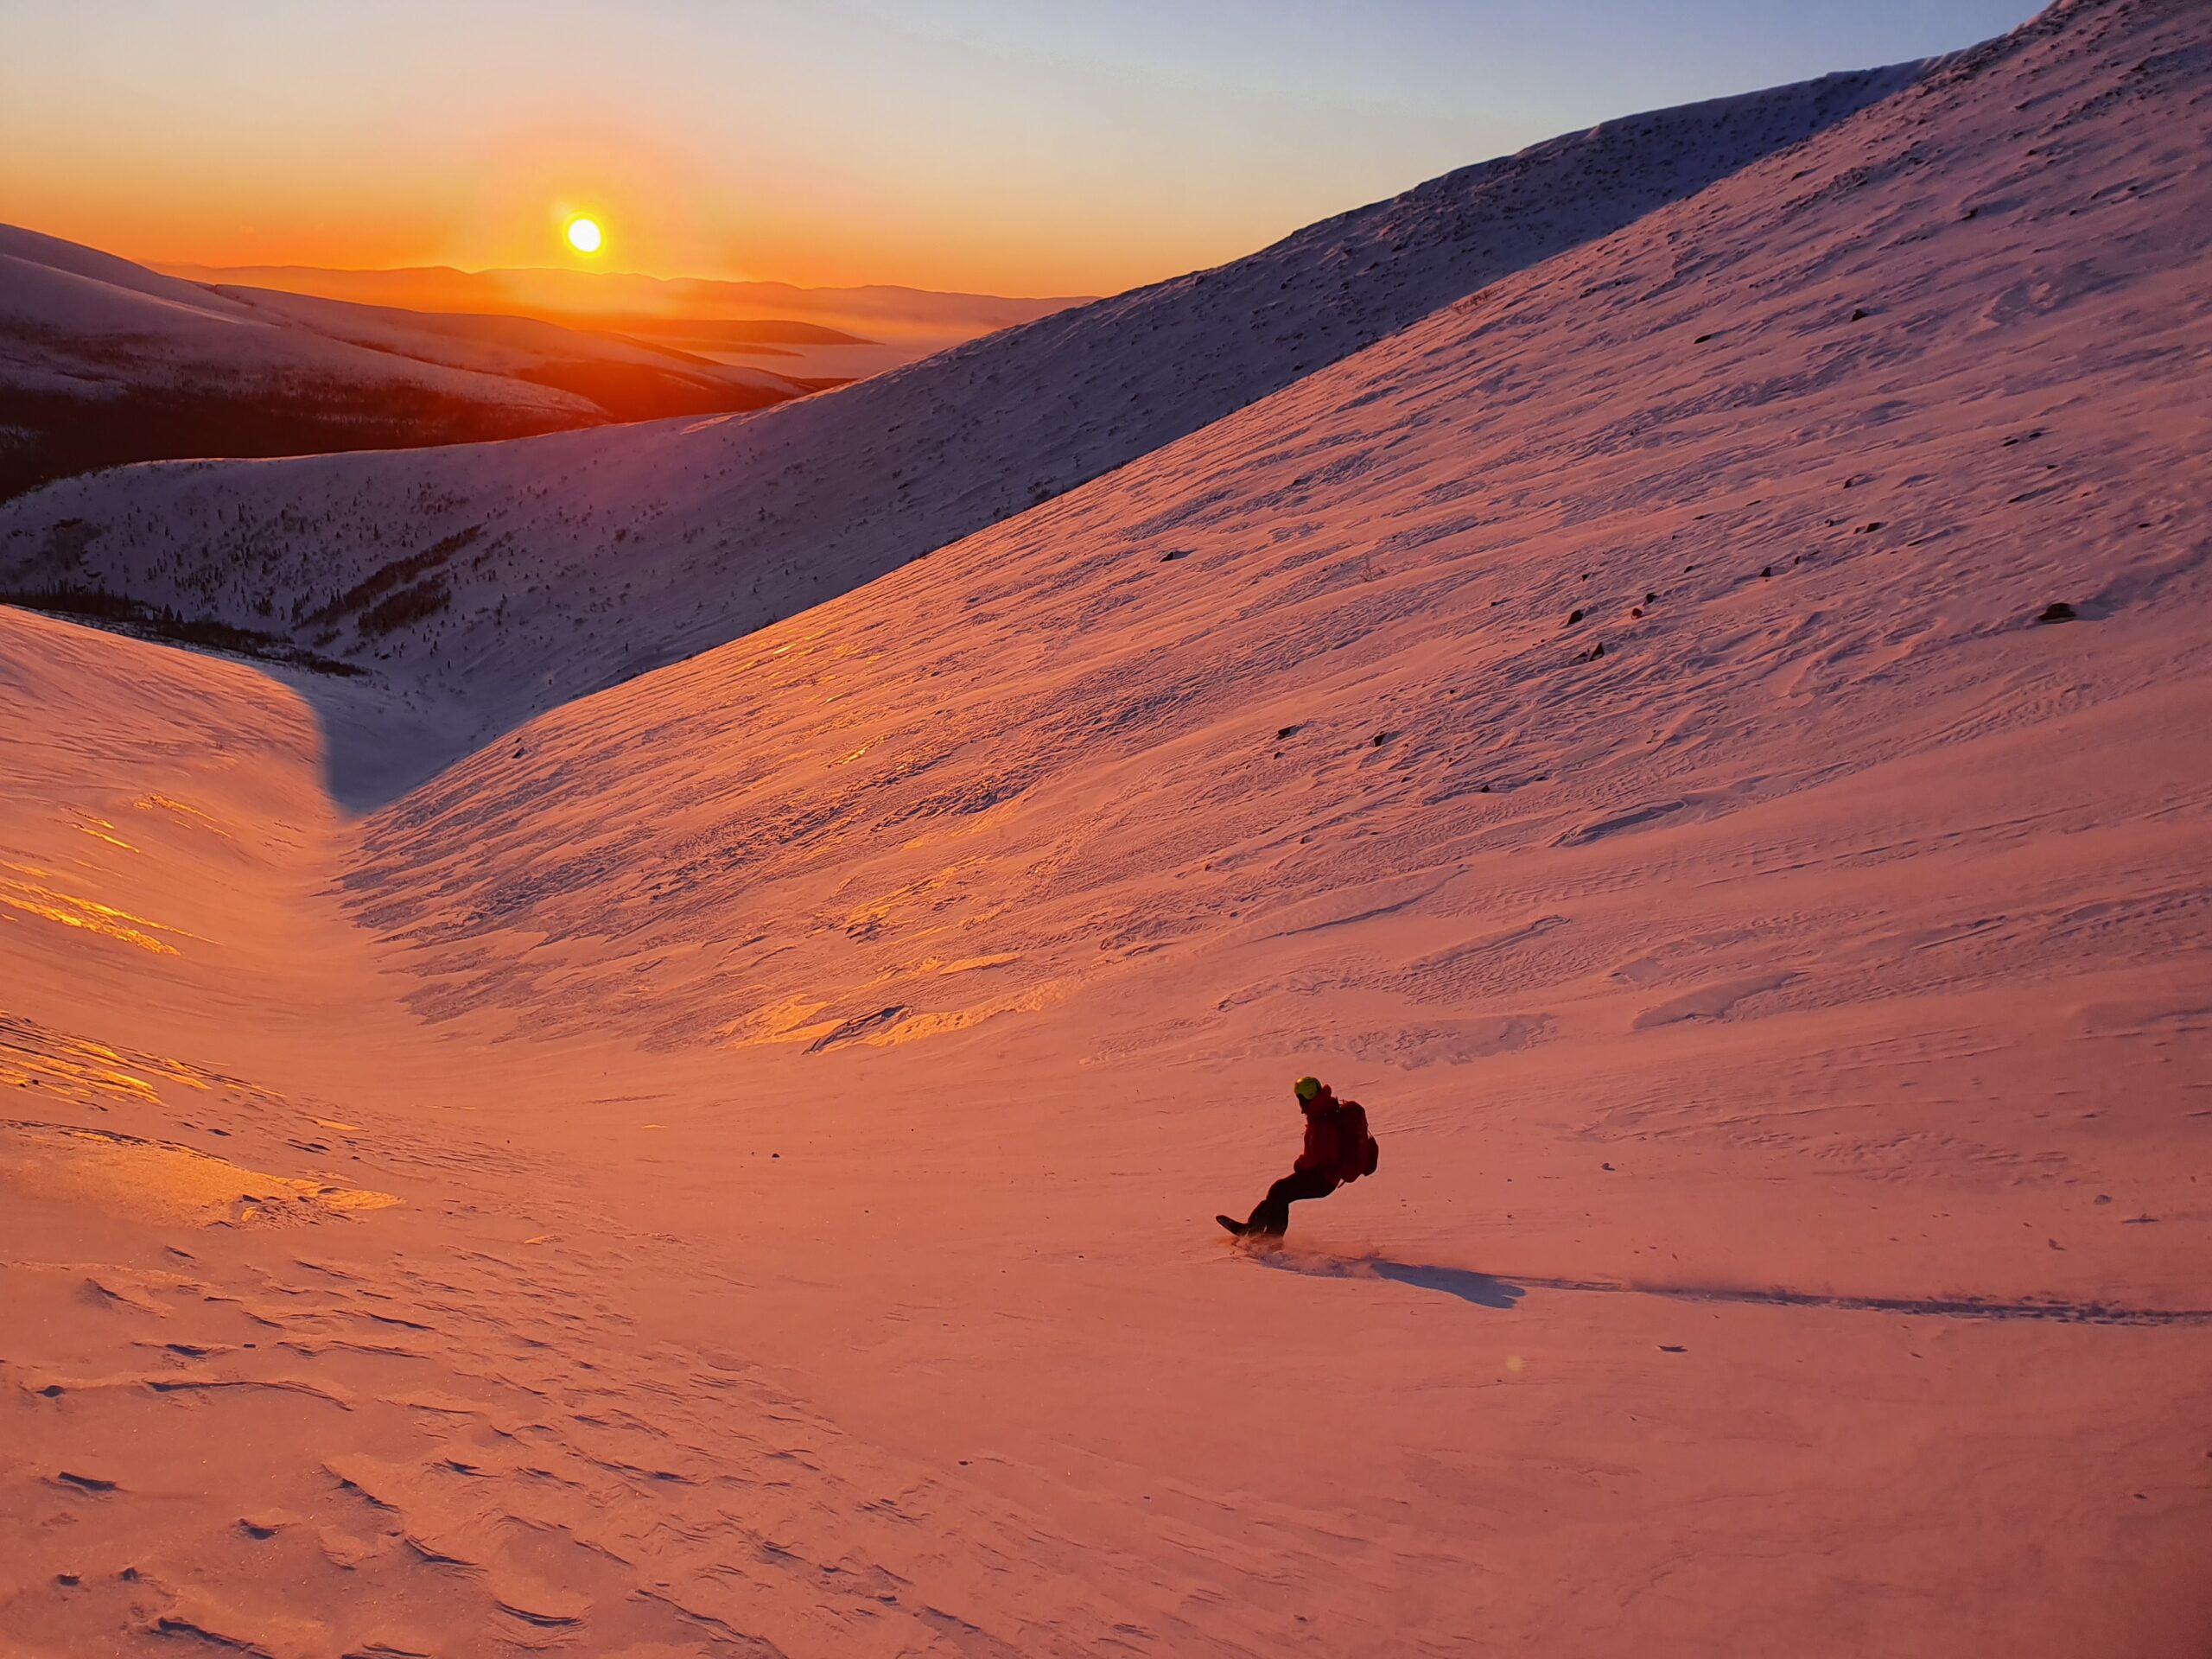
[997, 145]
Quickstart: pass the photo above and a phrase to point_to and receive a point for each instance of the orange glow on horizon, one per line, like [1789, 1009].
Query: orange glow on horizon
[509, 205]
[488, 176]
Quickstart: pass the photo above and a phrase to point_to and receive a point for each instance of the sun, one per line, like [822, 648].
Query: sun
[584, 234]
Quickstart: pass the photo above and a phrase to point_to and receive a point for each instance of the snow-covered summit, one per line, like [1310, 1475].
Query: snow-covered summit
[553, 568]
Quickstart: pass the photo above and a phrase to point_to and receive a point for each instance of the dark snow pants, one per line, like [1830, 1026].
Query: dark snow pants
[1273, 1215]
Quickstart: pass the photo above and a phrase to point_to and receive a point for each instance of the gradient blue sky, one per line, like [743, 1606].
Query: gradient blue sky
[1008, 145]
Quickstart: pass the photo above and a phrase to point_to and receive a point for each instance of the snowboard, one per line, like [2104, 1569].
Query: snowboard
[1250, 1234]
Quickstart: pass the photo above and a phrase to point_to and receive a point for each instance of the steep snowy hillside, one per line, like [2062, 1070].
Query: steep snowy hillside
[102, 361]
[728, 1169]
[1753, 505]
[555, 567]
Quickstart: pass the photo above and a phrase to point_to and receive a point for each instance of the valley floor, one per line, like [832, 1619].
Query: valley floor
[332, 1332]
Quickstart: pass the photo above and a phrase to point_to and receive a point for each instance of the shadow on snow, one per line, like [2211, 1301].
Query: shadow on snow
[1485, 1290]
[1480, 1289]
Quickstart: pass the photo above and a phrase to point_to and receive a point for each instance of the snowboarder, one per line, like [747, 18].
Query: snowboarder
[1338, 1149]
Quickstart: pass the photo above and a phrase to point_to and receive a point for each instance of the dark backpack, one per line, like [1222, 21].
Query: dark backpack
[1356, 1151]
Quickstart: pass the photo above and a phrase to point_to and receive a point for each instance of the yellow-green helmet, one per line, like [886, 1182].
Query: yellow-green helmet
[1306, 1088]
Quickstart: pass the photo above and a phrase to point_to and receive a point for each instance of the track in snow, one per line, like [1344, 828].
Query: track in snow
[1496, 1291]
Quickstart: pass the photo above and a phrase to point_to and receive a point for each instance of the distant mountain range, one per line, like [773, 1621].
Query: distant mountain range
[102, 361]
[836, 332]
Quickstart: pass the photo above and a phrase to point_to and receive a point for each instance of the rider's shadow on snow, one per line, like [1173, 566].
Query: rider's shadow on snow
[1468, 1286]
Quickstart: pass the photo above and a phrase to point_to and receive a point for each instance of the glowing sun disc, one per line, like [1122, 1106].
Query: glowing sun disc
[583, 235]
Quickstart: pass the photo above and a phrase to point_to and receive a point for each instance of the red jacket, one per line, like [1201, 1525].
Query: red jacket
[1328, 1134]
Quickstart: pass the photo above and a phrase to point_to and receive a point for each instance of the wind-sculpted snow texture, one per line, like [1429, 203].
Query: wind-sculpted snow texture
[726, 1170]
[595, 557]
[102, 361]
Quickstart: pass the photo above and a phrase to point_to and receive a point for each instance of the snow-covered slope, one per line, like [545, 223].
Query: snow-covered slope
[1761, 496]
[805, 1072]
[102, 361]
[592, 556]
